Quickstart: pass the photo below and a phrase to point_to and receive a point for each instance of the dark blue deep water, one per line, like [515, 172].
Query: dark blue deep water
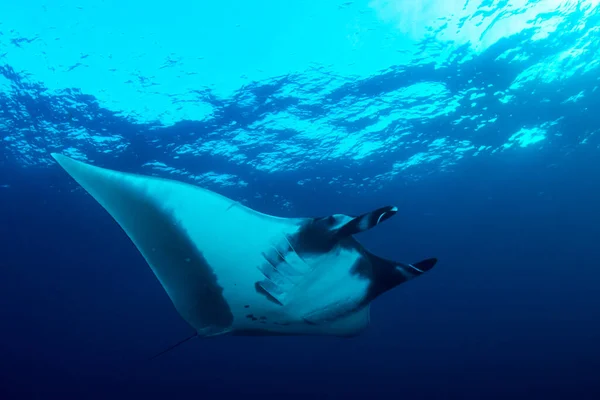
[488, 145]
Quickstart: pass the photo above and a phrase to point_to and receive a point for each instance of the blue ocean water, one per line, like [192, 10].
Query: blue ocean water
[477, 119]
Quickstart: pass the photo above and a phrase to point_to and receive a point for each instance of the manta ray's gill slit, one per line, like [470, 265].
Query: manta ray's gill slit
[271, 270]
[290, 244]
[260, 290]
[278, 254]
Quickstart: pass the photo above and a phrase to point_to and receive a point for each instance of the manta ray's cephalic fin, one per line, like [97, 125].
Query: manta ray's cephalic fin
[366, 221]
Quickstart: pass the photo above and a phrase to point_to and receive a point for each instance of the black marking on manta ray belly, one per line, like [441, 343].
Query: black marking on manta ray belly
[362, 266]
[313, 237]
[252, 317]
[261, 319]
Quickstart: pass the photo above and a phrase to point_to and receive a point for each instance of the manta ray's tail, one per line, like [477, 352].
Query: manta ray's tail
[172, 347]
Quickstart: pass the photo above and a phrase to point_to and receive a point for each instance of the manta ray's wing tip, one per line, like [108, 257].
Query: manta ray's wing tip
[59, 158]
[68, 163]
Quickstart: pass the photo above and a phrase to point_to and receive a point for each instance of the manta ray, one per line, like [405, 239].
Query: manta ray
[229, 269]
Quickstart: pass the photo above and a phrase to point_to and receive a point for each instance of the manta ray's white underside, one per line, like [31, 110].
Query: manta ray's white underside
[209, 252]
